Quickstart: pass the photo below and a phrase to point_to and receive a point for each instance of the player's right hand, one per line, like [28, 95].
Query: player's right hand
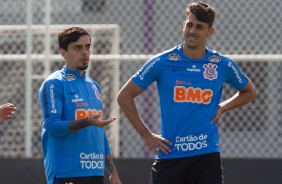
[97, 121]
[7, 111]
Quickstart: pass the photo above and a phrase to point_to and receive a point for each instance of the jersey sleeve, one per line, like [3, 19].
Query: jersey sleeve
[98, 91]
[147, 74]
[235, 77]
[51, 101]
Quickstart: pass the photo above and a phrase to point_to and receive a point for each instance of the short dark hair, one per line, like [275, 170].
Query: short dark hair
[69, 35]
[203, 12]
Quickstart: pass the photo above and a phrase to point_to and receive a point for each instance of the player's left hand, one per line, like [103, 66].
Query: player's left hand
[217, 116]
[114, 178]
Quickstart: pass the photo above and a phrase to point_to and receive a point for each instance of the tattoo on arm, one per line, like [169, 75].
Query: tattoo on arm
[110, 163]
[78, 124]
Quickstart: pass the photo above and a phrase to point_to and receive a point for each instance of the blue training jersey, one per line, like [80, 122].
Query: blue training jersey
[66, 96]
[190, 92]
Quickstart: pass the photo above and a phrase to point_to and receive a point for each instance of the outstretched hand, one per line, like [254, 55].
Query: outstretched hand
[7, 111]
[97, 121]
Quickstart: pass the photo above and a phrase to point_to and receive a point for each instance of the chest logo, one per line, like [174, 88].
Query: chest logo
[214, 58]
[76, 99]
[70, 77]
[174, 57]
[210, 71]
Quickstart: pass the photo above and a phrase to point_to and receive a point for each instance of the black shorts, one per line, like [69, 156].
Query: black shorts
[202, 169]
[80, 180]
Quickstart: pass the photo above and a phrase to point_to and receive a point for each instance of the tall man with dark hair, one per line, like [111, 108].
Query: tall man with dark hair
[75, 146]
[190, 79]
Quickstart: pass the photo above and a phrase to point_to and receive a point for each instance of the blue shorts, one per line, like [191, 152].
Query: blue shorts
[80, 180]
[202, 169]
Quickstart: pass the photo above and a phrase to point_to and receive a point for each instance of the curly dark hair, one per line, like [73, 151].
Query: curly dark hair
[69, 35]
[203, 12]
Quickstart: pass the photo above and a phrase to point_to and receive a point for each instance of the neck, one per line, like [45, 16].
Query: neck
[194, 53]
[81, 72]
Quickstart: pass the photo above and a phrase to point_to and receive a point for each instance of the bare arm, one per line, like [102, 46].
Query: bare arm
[126, 101]
[113, 174]
[241, 98]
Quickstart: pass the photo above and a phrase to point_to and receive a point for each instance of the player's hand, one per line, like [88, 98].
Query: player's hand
[157, 143]
[97, 121]
[114, 178]
[217, 116]
[7, 111]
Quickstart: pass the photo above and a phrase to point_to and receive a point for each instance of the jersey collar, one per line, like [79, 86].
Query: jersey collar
[74, 72]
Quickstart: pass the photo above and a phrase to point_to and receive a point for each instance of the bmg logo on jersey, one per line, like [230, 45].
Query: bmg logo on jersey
[190, 143]
[82, 113]
[194, 95]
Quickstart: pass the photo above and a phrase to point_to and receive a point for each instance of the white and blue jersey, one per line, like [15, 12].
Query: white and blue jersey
[66, 96]
[190, 92]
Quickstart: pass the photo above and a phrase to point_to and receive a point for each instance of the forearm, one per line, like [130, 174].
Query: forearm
[130, 110]
[238, 100]
[75, 125]
[110, 166]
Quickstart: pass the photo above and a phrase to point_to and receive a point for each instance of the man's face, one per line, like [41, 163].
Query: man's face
[196, 33]
[77, 55]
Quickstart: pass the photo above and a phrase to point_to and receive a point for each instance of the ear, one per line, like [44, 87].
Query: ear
[63, 52]
[211, 31]
[183, 25]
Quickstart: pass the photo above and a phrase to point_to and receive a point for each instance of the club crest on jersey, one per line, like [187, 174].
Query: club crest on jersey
[97, 93]
[174, 57]
[214, 58]
[70, 77]
[210, 71]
